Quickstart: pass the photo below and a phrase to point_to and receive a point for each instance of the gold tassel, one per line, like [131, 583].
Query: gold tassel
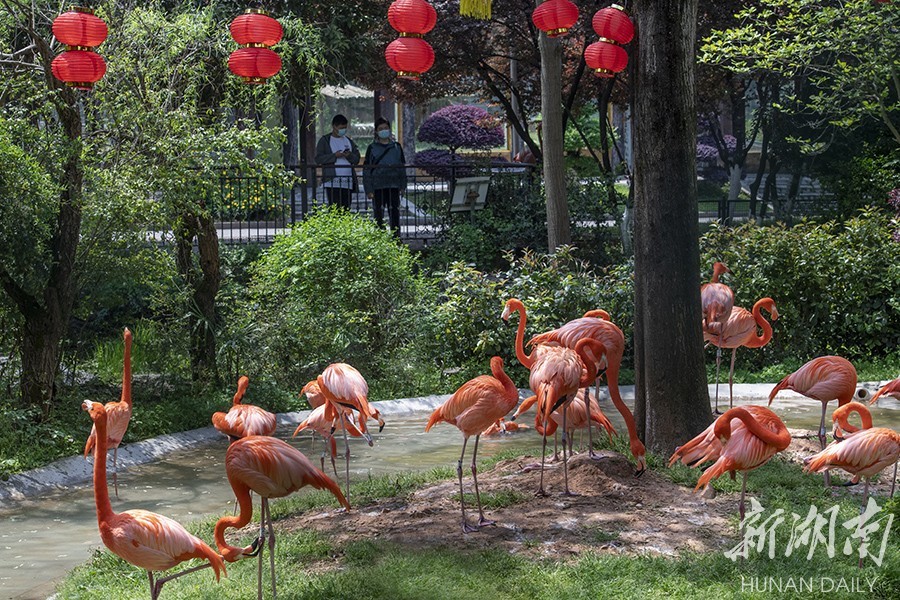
[477, 9]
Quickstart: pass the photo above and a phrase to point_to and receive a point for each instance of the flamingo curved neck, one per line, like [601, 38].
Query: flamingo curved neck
[508, 385]
[101, 490]
[232, 553]
[527, 361]
[843, 417]
[590, 366]
[780, 440]
[758, 341]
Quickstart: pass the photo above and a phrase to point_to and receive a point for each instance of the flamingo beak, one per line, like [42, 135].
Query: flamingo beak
[256, 546]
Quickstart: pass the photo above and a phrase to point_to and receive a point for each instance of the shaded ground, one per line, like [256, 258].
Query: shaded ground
[613, 513]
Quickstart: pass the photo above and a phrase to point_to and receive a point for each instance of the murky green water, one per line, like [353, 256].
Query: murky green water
[42, 538]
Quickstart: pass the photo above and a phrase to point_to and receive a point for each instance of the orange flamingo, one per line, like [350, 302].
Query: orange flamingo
[313, 394]
[746, 447]
[840, 418]
[706, 447]
[273, 469]
[145, 539]
[345, 388]
[244, 419]
[716, 299]
[891, 388]
[862, 454]
[472, 408]
[568, 335]
[503, 426]
[575, 418]
[740, 330]
[118, 415]
[317, 422]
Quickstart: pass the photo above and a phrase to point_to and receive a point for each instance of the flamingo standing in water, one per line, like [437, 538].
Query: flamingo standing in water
[118, 415]
[244, 419]
[744, 446]
[273, 469]
[892, 388]
[472, 408]
[318, 423]
[613, 341]
[824, 379]
[145, 539]
[345, 388]
[740, 330]
[716, 300]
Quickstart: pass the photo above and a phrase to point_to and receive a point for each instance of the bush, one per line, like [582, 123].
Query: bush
[444, 164]
[837, 286]
[462, 126]
[327, 292]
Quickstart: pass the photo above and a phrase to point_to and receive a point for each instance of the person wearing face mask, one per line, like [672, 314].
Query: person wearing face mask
[337, 153]
[384, 175]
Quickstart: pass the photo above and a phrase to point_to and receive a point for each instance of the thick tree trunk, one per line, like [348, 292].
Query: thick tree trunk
[672, 396]
[205, 285]
[552, 126]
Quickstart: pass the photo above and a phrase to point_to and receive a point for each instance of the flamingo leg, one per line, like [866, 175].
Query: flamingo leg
[462, 503]
[587, 408]
[567, 492]
[346, 456]
[731, 379]
[157, 586]
[862, 509]
[555, 446]
[262, 541]
[153, 593]
[481, 521]
[822, 441]
[271, 545]
[541, 491]
[894, 480]
[718, 363]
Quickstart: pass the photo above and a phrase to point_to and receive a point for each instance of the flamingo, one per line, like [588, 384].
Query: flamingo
[862, 454]
[568, 335]
[892, 388]
[273, 469]
[317, 422]
[706, 446]
[472, 408]
[244, 419]
[824, 379]
[746, 447]
[740, 330]
[145, 539]
[503, 426]
[575, 418]
[716, 299]
[313, 394]
[843, 428]
[118, 415]
[345, 388]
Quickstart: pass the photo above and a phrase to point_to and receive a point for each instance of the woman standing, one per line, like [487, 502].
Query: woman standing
[337, 154]
[384, 175]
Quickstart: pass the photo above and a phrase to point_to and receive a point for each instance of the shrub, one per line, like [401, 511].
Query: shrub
[461, 126]
[835, 285]
[328, 292]
[444, 164]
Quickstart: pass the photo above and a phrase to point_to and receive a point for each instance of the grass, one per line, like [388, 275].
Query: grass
[310, 566]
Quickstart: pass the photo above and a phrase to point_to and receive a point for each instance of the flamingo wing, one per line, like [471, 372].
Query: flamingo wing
[473, 407]
[863, 453]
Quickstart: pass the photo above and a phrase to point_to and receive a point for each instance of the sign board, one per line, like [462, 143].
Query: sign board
[469, 193]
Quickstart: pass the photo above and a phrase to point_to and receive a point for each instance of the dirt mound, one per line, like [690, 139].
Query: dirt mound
[613, 511]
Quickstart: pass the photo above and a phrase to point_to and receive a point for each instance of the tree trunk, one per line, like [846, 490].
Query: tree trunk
[672, 399]
[203, 316]
[290, 119]
[552, 126]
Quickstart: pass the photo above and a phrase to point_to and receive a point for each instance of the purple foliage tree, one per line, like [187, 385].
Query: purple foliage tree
[462, 126]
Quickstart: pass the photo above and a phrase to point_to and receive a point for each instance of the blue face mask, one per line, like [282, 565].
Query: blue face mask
[342, 132]
[384, 134]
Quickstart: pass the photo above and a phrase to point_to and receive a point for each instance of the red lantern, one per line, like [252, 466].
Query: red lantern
[412, 16]
[256, 28]
[613, 24]
[254, 65]
[409, 56]
[555, 17]
[79, 68]
[605, 58]
[79, 29]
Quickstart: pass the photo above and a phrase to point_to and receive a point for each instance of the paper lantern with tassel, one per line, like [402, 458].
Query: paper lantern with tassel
[555, 17]
[605, 58]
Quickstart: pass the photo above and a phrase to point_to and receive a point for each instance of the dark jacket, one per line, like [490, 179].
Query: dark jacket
[384, 167]
[326, 158]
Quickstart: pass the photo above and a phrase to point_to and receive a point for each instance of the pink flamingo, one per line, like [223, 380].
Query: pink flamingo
[575, 418]
[244, 419]
[318, 423]
[892, 388]
[472, 408]
[145, 539]
[716, 300]
[706, 446]
[862, 454]
[568, 335]
[843, 428]
[740, 330]
[272, 469]
[503, 426]
[345, 388]
[746, 447]
[118, 415]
